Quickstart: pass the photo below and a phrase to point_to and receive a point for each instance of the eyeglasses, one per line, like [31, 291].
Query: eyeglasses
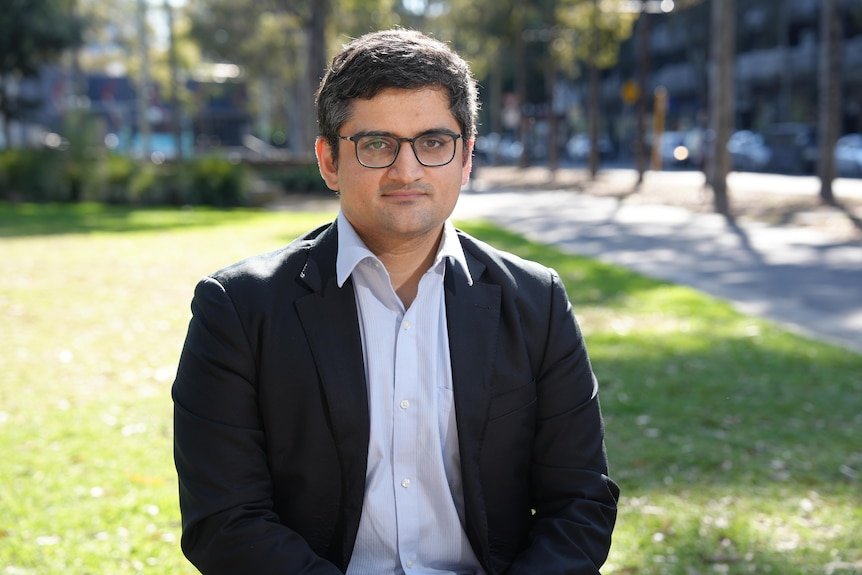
[376, 150]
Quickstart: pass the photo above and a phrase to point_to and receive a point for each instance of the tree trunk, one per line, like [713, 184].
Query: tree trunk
[176, 119]
[829, 101]
[594, 92]
[316, 44]
[4, 114]
[143, 97]
[721, 100]
[521, 88]
[643, 75]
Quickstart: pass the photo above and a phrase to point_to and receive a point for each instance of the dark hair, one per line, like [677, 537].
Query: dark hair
[395, 58]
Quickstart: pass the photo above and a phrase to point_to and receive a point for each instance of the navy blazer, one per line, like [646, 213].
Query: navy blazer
[271, 417]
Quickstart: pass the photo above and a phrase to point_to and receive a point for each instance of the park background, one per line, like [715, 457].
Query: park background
[146, 144]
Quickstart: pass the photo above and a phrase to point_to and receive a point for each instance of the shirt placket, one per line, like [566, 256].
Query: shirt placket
[404, 441]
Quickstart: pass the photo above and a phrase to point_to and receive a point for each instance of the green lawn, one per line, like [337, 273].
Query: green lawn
[737, 445]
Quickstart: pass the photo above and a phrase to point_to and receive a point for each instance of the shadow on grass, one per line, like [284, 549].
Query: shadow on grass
[597, 283]
[23, 220]
[693, 389]
[717, 426]
[701, 409]
[700, 545]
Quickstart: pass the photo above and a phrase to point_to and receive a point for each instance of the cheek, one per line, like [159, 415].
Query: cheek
[358, 186]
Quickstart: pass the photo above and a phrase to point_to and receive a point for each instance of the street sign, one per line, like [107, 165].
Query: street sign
[630, 92]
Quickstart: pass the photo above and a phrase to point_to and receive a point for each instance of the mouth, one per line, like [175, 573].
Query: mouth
[405, 193]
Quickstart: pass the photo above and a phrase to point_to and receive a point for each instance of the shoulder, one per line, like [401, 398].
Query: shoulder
[506, 268]
[278, 266]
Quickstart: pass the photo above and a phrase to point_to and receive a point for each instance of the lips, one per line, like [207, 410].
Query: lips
[405, 194]
[412, 192]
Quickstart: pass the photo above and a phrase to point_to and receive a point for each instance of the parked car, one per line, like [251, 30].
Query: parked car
[493, 147]
[578, 147]
[793, 148]
[748, 151]
[681, 149]
[848, 155]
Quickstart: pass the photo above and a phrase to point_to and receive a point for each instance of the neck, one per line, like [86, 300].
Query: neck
[406, 262]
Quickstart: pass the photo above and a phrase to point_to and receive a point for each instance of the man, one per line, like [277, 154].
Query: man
[387, 394]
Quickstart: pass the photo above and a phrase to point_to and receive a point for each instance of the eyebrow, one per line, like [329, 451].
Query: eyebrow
[391, 135]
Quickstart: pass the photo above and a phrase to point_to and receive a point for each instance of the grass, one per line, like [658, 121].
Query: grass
[736, 444]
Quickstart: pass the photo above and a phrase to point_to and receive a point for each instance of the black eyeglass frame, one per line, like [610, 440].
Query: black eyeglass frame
[356, 137]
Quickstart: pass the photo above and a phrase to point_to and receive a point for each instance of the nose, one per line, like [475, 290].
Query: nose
[406, 167]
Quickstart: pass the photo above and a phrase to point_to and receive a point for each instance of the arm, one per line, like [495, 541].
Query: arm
[574, 500]
[229, 525]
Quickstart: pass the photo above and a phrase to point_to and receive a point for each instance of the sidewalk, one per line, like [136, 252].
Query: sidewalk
[803, 270]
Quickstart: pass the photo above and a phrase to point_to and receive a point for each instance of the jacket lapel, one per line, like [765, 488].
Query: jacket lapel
[472, 316]
[329, 318]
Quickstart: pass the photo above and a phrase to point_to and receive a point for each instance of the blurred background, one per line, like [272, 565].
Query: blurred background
[768, 85]
[735, 439]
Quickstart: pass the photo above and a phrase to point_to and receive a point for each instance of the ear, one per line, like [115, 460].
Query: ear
[467, 166]
[326, 163]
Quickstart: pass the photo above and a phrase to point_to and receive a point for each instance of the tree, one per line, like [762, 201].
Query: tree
[599, 33]
[283, 47]
[829, 101]
[721, 98]
[33, 33]
[526, 47]
[507, 42]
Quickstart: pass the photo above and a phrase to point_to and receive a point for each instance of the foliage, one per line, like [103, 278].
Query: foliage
[590, 34]
[302, 178]
[735, 442]
[213, 181]
[282, 47]
[32, 175]
[61, 175]
[32, 33]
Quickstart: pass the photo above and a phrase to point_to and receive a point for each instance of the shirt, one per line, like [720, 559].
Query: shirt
[413, 511]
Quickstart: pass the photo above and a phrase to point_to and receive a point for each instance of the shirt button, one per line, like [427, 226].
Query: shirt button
[405, 483]
[404, 404]
[409, 563]
[407, 325]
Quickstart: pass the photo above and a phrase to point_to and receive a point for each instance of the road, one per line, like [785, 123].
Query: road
[800, 277]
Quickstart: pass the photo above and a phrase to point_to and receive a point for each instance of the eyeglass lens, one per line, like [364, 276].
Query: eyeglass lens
[380, 151]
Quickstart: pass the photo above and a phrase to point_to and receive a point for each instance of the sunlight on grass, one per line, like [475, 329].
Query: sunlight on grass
[735, 443]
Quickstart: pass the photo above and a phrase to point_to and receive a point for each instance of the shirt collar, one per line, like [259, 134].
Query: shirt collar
[352, 250]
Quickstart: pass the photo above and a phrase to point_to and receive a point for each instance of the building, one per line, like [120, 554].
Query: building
[776, 70]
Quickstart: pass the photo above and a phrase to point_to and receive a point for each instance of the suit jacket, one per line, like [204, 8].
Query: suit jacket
[271, 417]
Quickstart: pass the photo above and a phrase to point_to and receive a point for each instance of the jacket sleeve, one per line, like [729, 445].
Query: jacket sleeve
[574, 500]
[225, 488]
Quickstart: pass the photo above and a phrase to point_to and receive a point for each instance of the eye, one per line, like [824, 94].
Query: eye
[376, 143]
[434, 141]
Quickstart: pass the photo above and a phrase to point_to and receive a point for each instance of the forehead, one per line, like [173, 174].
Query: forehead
[402, 111]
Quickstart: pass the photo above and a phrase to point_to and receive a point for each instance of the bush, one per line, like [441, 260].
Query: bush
[118, 174]
[212, 181]
[33, 175]
[55, 175]
[303, 178]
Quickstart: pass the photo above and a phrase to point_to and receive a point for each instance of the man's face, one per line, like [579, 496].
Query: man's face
[406, 201]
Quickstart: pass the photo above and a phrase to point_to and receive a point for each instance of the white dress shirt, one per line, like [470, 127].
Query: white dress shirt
[413, 511]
